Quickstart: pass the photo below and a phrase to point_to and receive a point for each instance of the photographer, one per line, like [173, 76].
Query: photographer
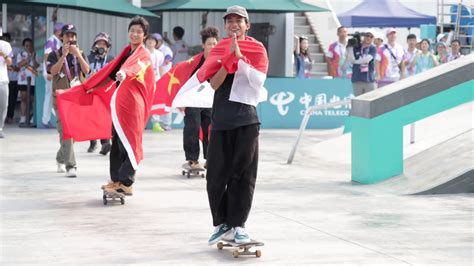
[68, 66]
[362, 56]
[98, 58]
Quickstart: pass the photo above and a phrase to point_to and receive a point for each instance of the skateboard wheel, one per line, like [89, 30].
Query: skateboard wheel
[235, 253]
[122, 201]
[202, 175]
[105, 201]
[189, 176]
[183, 172]
[258, 253]
[220, 245]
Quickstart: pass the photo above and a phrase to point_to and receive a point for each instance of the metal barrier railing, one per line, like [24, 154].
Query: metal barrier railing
[305, 120]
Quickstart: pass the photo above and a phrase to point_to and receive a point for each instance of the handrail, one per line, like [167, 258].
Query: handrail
[305, 120]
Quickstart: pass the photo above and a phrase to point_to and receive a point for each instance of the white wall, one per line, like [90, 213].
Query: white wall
[191, 22]
[88, 24]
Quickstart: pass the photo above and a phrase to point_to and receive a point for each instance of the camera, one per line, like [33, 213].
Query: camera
[97, 50]
[73, 43]
[355, 41]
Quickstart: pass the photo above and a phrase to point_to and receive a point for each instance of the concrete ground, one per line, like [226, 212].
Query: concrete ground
[306, 213]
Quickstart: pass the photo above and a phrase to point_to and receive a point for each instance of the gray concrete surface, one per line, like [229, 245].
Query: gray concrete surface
[306, 213]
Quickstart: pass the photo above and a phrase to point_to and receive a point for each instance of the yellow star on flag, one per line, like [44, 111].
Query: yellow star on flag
[190, 60]
[173, 80]
[141, 74]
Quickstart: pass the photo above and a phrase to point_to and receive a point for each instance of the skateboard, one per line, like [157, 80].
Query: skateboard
[188, 171]
[242, 249]
[112, 197]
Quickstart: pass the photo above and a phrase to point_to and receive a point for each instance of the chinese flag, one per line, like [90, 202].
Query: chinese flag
[168, 86]
[89, 116]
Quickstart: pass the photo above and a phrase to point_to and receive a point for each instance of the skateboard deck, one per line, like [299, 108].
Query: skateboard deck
[242, 249]
[188, 171]
[112, 197]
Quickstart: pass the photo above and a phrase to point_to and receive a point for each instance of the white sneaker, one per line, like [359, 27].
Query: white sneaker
[241, 236]
[22, 119]
[71, 172]
[61, 168]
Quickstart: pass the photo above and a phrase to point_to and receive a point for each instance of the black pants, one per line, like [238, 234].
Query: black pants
[121, 169]
[12, 97]
[194, 120]
[231, 174]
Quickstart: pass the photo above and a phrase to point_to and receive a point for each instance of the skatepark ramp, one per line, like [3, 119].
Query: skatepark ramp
[461, 184]
[445, 168]
[378, 117]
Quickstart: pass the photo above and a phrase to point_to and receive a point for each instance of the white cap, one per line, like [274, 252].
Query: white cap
[378, 35]
[390, 30]
[441, 36]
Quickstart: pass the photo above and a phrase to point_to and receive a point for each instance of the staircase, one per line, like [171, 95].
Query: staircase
[303, 28]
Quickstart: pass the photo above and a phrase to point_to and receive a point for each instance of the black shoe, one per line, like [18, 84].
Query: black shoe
[105, 149]
[93, 146]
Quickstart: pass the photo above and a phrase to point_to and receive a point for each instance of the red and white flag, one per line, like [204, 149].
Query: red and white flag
[250, 74]
[89, 116]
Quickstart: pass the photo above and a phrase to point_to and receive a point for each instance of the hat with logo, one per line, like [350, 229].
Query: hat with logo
[68, 28]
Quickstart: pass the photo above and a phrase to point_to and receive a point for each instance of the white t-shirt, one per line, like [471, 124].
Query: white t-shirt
[168, 56]
[157, 60]
[409, 56]
[180, 52]
[24, 73]
[6, 49]
[13, 75]
[51, 45]
[392, 73]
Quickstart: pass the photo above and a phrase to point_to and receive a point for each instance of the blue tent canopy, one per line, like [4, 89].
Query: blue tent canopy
[383, 13]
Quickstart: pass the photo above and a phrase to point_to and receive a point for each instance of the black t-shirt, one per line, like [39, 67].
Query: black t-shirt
[228, 115]
[53, 59]
[117, 68]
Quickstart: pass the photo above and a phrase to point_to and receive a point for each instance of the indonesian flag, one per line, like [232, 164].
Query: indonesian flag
[89, 116]
[168, 86]
[250, 73]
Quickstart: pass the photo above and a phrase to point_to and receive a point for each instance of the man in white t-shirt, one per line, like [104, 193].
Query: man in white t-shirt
[5, 59]
[167, 52]
[52, 44]
[410, 53]
[179, 47]
[390, 59]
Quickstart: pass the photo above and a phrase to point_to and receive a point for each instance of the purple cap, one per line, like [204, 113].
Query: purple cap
[58, 26]
[157, 36]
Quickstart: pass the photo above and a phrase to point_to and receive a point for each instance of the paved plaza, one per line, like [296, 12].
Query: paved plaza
[306, 213]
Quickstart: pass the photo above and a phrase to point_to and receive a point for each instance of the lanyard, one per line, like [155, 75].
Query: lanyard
[68, 71]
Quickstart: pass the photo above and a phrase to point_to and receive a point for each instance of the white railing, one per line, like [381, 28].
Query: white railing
[305, 120]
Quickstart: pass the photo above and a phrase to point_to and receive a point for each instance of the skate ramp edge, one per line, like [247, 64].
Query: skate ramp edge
[464, 183]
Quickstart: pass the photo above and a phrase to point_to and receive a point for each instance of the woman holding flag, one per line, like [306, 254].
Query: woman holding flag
[120, 94]
[237, 69]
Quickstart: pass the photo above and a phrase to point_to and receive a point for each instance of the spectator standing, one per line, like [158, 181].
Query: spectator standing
[390, 59]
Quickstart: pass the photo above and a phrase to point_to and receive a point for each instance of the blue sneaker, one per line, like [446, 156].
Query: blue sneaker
[241, 236]
[219, 232]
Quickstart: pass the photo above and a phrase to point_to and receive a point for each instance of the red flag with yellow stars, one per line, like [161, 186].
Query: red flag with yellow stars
[169, 84]
[89, 115]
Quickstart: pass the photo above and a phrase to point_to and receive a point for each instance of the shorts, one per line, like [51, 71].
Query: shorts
[25, 87]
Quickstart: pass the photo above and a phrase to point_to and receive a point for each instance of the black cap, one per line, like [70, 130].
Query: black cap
[68, 28]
